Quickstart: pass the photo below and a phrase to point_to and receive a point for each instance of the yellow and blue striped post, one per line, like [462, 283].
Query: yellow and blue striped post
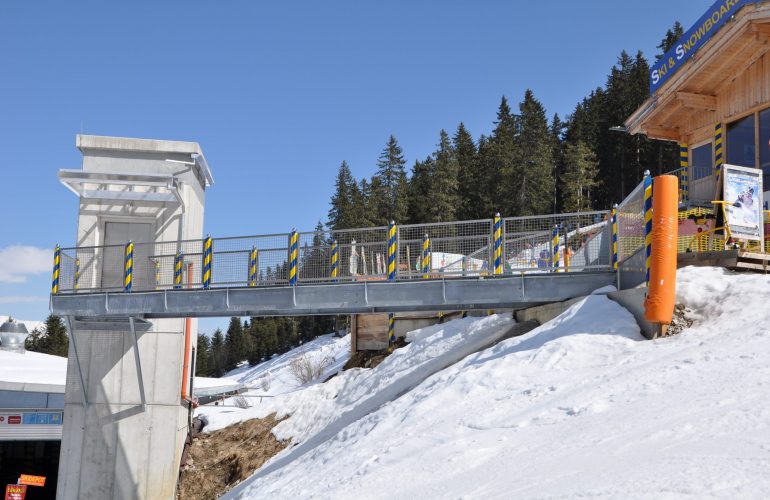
[497, 255]
[684, 165]
[178, 258]
[392, 251]
[128, 267]
[391, 328]
[335, 260]
[647, 223]
[556, 257]
[718, 152]
[157, 273]
[615, 236]
[208, 244]
[426, 257]
[253, 256]
[76, 283]
[56, 270]
[293, 253]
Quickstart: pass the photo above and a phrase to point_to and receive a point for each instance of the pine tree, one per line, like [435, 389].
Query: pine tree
[389, 196]
[236, 344]
[470, 181]
[52, 339]
[419, 189]
[497, 159]
[443, 198]
[202, 356]
[218, 354]
[557, 143]
[579, 177]
[342, 214]
[669, 40]
[532, 184]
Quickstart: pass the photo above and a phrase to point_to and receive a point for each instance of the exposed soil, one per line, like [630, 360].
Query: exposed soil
[370, 359]
[680, 322]
[221, 459]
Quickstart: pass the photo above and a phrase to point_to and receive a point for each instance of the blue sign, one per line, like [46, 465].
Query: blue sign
[42, 418]
[709, 23]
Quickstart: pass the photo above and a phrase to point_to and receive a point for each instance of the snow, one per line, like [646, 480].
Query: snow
[19, 370]
[579, 407]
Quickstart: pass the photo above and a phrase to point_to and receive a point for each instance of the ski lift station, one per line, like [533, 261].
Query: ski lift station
[142, 271]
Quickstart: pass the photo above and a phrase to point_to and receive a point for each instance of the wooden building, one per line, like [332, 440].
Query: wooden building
[711, 94]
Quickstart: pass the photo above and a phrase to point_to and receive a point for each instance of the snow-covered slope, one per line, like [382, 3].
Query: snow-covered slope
[274, 375]
[580, 407]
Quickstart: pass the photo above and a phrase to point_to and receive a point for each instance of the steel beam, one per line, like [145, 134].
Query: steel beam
[504, 292]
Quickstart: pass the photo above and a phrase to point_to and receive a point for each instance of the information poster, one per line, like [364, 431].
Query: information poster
[15, 492]
[743, 197]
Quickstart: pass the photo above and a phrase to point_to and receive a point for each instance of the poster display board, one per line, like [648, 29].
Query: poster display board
[15, 492]
[742, 190]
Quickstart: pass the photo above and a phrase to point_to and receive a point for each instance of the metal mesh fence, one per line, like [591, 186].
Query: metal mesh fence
[456, 249]
[363, 253]
[583, 242]
[631, 223]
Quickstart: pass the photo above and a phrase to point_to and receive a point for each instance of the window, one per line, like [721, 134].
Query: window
[741, 148]
[764, 147]
[701, 161]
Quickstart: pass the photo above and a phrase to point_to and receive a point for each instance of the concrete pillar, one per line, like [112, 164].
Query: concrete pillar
[113, 446]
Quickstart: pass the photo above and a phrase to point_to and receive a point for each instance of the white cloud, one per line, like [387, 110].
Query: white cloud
[22, 299]
[19, 261]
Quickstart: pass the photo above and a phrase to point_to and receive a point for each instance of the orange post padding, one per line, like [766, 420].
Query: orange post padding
[187, 341]
[661, 295]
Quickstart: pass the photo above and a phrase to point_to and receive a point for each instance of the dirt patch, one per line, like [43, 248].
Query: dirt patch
[221, 459]
[370, 359]
[681, 320]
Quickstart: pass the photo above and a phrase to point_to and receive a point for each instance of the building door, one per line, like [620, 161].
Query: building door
[120, 233]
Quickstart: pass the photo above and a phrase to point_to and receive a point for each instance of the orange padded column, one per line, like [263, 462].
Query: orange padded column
[661, 295]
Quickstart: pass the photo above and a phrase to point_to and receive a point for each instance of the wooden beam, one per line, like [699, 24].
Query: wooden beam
[761, 30]
[665, 134]
[697, 101]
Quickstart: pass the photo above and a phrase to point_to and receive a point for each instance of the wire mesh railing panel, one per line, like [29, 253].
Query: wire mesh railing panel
[314, 256]
[631, 223]
[582, 242]
[454, 249]
[362, 253]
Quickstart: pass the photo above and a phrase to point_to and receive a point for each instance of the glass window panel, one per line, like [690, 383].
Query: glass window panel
[740, 142]
[764, 147]
[701, 161]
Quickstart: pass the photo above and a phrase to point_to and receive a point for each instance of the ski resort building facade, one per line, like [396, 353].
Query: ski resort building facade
[711, 94]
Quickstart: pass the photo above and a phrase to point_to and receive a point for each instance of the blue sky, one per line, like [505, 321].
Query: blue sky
[277, 94]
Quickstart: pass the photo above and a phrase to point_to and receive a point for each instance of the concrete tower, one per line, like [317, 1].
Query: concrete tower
[125, 420]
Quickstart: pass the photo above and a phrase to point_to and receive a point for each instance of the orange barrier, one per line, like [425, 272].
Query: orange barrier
[661, 295]
[187, 341]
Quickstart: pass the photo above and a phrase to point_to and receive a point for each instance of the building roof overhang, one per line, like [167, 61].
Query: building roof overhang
[695, 87]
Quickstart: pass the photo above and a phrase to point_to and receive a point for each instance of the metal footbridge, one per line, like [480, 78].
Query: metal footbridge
[499, 263]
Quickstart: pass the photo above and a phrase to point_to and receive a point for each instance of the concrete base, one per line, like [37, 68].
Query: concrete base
[633, 300]
[113, 447]
[547, 312]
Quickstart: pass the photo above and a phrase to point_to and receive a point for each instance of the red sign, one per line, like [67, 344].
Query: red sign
[15, 492]
[14, 419]
[31, 480]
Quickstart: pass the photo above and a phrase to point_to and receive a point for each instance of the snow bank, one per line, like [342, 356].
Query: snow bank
[579, 407]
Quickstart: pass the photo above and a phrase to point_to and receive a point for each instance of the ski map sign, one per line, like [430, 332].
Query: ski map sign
[709, 23]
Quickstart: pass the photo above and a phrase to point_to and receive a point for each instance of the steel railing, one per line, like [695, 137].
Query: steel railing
[550, 243]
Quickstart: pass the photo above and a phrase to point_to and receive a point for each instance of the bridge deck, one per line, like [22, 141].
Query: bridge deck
[503, 292]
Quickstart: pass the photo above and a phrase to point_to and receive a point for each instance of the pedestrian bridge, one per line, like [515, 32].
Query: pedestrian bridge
[483, 264]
